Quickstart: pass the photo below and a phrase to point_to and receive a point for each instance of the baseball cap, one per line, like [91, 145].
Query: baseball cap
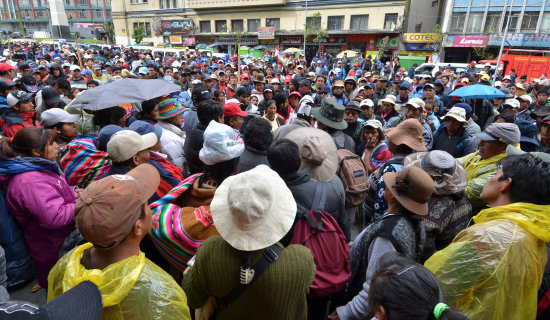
[429, 85]
[288, 77]
[18, 96]
[373, 123]
[4, 84]
[54, 116]
[97, 67]
[105, 134]
[485, 77]
[232, 109]
[24, 67]
[82, 302]
[86, 72]
[405, 85]
[143, 70]
[74, 67]
[6, 66]
[416, 103]
[245, 76]
[201, 94]
[514, 103]
[325, 89]
[144, 127]
[305, 82]
[525, 97]
[366, 102]
[507, 133]
[127, 143]
[50, 96]
[108, 208]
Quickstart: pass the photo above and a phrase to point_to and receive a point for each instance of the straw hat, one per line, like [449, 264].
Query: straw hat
[409, 133]
[254, 209]
[317, 151]
[412, 187]
[446, 172]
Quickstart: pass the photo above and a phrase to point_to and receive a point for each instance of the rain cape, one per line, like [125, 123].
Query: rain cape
[493, 269]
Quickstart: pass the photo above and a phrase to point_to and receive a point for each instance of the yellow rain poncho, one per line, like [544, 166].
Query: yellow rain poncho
[478, 171]
[134, 288]
[493, 269]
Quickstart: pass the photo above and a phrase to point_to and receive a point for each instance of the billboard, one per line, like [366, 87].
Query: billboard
[180, 27]
[266, 33]
[470, 41]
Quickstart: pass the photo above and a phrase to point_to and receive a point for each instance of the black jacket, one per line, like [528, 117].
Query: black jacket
[250, 158]
[303, 190]
[192, 146]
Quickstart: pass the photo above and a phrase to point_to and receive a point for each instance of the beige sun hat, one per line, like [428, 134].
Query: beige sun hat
[317, 152]
[456, 113]
[254, 209]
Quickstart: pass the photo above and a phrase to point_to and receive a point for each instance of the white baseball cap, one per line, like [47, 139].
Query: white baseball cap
[127, 143]
[514, 103]
[75, 67]
[367, 102]
[54, 116]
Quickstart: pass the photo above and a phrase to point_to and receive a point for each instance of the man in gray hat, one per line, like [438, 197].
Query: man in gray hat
[355, 128]
[330, 118]
[482, 164]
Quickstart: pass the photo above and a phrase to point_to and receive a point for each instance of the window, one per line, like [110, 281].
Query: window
[313, 21]
[273, 22]
[168, 4]
[390, 21]
[359, 22]
[221, 26]
[474, 22]
[237, 25]
[135, 1]
[545, 23]
[435, 3]
[147, 29]
[457, 22]
[492, 23]
[513, 20]
[205, 27]
[529, 21]
[253, 25]
[335, 23]
[418, 27]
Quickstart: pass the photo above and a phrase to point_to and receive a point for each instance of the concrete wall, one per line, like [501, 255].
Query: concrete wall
[425, 12]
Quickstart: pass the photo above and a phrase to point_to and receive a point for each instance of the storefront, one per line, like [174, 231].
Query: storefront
[425, 45]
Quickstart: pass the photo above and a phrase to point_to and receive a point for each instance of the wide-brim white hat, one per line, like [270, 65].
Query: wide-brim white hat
[254, 209]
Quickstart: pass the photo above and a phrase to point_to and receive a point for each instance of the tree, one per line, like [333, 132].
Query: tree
[442, 37]
[109, 32]
[313, 28]
[138, 34]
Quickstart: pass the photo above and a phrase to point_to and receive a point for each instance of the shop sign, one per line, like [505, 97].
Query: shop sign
[175, 39]
[291, 40]
[189, 41]
[392, 43]
[331, 41]
[181, 27]
[422, 46]
[421, 37]
[87, 25]
[537, 40]
[512, 39]
[470, 41]
[231, 40]
[266, 33]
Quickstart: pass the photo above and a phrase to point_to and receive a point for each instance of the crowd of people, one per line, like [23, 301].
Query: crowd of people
[272, 188]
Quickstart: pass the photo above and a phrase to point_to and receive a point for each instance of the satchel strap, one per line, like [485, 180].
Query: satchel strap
[270, 255]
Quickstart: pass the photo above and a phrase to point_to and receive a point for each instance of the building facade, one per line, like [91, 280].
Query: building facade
[35, 15]
[481, 23]
[367, 26]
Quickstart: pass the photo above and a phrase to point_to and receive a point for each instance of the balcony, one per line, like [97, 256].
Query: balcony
[209, 4]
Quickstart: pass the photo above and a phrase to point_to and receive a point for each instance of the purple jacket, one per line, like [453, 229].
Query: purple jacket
[42, 203]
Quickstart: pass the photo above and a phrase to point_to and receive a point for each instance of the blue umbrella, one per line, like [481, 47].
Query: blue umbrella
[478, 91]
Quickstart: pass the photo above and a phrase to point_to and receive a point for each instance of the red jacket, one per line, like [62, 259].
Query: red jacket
[13, 121]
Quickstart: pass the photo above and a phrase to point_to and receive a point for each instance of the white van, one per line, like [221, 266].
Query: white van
[432, 68]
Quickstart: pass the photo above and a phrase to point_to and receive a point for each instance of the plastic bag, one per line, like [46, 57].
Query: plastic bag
[493, 269]
[134, 288]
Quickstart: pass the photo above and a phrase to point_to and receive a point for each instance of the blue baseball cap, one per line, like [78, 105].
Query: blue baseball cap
[143, 128]
[105, 135]
[86, 72]
[405, 85]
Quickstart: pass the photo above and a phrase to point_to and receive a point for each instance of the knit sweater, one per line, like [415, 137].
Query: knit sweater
[279, 293]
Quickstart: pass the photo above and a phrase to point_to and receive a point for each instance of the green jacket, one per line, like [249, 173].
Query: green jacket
[279, 293]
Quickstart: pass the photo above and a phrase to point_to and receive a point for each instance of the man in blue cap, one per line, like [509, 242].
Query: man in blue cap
[404, 94]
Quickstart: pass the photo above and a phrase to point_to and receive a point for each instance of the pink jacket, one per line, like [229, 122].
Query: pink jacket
[42, 203]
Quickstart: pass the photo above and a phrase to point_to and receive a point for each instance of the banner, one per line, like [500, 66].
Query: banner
[422, 46]
[266, 33]
[470, 41]
[183, 27]
[392, 43]
[175, 39]
[421, 37]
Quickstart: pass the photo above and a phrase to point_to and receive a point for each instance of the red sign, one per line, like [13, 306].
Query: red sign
[470, 41]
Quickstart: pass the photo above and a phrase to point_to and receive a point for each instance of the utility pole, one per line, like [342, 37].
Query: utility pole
[305, 25]
[502, 43]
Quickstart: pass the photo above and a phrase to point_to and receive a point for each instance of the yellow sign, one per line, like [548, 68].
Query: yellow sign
[175, 39]
[421, 37]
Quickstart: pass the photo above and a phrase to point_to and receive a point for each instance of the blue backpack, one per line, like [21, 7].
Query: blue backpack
[19, 266]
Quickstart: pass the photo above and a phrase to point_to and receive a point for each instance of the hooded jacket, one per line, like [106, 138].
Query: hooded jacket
[51, 78]
[42, 202]
[13, 121]
[493, 269]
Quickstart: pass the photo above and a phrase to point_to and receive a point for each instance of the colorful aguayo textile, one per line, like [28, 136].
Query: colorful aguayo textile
[178, 232]
[82, 162]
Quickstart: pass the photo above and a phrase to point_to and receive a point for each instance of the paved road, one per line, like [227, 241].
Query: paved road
[24, 294]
